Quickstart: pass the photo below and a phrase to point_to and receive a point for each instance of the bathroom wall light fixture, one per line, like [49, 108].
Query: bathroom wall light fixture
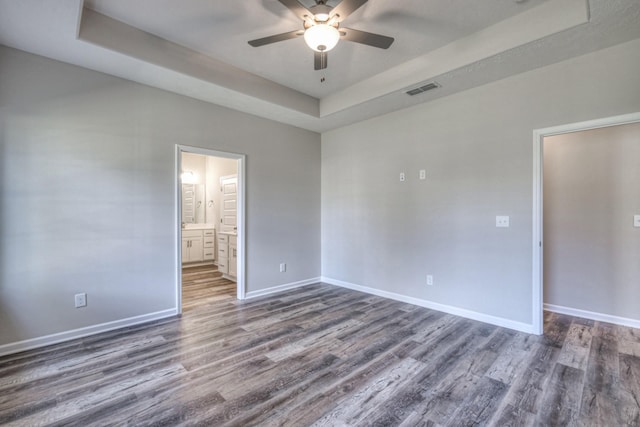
[188, 177]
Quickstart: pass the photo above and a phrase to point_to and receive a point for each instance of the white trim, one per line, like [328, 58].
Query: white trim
[462, 312]
[591, 124]
[537, 318]
[281, 288]
[73, 334]
[178, 224]
[241, 287]
[79, 20]
[538, 232]
[600, 317]
[241, 174]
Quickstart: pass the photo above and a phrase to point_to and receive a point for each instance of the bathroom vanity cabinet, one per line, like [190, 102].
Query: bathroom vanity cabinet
[198, 245]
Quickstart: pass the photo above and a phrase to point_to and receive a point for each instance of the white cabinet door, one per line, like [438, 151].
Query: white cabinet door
[233, 259]
[223, 253]
[195, 251]
[185, 250]
[222, 266]
[192, 246]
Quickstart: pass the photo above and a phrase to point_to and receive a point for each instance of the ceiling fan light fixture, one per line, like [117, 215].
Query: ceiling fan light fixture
[321, 37]
[321, 12]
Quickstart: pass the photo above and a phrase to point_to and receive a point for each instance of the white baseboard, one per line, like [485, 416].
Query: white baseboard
[198, 264]
[600, 317]
[29, 344]
[474, 315]
[281, 288]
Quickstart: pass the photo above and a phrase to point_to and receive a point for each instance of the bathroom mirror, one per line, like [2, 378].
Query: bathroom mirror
[193, 204]
[200, 184]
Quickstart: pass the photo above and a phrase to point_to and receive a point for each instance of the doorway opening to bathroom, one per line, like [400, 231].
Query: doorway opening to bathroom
[210, 227]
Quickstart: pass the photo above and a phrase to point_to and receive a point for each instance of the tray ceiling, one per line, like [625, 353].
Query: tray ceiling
[199, 48]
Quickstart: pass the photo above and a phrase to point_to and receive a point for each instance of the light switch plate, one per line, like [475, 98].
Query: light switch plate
[502, 221]
[402, 176]
[423, 174]
[636, 221]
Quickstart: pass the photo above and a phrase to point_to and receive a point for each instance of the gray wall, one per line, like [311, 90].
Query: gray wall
[591, 192]
[477, 149]
[87, 189]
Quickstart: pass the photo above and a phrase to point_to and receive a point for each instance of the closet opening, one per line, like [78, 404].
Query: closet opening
[584, 221]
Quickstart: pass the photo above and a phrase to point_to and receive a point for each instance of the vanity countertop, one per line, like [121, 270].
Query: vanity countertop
[230, 233]
[199, 227]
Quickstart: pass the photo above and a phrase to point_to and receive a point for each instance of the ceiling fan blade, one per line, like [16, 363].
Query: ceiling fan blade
[276, 38]
[345, 8]
[319, 60]
[370, 39]
[297, 8]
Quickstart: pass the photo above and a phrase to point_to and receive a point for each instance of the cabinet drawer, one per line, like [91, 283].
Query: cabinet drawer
[222, 266]
[208, 254]
[223, 238]
[233, 240]
[209, 233]
[223, 252]
[208, 242]
[191, 233]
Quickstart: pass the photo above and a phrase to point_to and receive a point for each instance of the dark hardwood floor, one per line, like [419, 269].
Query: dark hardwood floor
[327, 356]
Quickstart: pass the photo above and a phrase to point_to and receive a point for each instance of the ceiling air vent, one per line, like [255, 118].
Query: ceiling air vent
[424, 88]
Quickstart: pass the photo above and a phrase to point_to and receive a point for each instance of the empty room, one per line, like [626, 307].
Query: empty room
[328, 213]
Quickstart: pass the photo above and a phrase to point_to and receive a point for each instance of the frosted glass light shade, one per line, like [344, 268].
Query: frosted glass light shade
[188, 177]
[321, 37]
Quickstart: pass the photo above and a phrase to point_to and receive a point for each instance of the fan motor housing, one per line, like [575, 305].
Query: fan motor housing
[320, 12]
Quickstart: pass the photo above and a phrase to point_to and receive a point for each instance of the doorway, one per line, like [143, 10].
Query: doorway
[538, 215]
[202, 243]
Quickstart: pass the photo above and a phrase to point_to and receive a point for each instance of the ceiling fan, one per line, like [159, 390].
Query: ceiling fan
[322, 30]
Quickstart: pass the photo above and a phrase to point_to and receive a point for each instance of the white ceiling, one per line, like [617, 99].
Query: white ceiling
[199, 48]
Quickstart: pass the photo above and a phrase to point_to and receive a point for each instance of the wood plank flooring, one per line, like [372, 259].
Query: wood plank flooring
[326, 356]
[203, 285]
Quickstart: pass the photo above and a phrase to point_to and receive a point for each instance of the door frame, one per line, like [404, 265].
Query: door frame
[241, 162]
[538, 180]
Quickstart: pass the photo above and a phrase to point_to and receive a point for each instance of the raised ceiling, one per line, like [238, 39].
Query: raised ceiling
[199, 48]
[221, 29]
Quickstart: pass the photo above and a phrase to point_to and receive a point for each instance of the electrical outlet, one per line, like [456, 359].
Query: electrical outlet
[423, 174]
[402, 176]
[283, 267]
[429, 280]
[81, 300]
[502, 221]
